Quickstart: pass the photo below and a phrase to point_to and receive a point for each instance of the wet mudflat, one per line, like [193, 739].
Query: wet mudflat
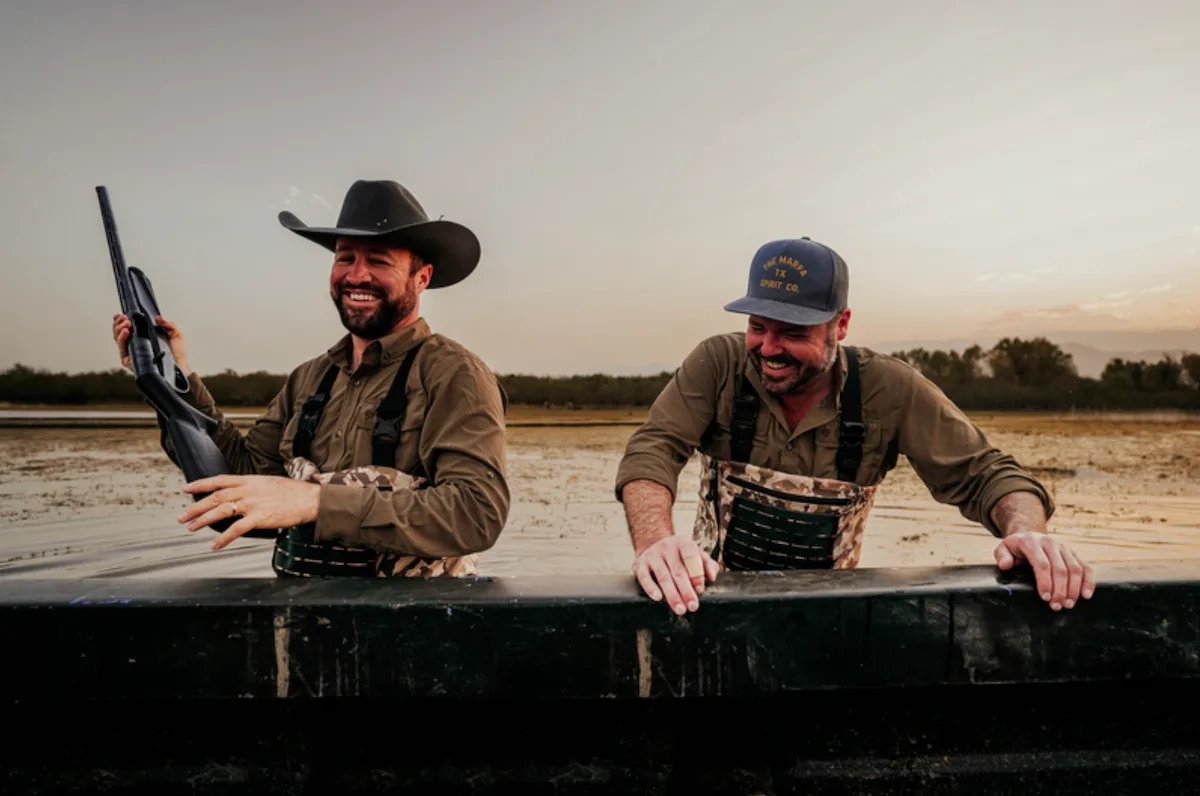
[102, 502]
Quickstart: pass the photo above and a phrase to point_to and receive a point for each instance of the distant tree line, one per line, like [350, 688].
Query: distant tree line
[1013, 374]
[1037, 374]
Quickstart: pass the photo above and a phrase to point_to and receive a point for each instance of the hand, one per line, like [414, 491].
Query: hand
[123, 327]
[263, 501]
[1062, 577]
[675, 566]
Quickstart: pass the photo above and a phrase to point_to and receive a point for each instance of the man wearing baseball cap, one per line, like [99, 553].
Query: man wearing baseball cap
[797, 431]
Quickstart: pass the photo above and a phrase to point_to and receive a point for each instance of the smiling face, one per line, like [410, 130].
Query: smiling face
[375, 288]
[788, 358]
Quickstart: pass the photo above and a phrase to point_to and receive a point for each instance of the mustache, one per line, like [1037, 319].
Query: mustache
[783, 357]
[359, 287]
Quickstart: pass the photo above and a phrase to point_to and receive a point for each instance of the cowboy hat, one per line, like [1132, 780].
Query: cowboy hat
[386, 211]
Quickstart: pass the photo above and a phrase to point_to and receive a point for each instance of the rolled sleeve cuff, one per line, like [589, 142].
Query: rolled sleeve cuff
[998, 489]
[340, 513]
[642, 467]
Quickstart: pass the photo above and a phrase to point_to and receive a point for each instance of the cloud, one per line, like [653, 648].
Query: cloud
[296, 196]
[1101, 305]
[1158, 289]
[1014, 276]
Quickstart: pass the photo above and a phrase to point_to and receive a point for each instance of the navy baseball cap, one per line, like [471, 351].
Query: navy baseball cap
[797, 281]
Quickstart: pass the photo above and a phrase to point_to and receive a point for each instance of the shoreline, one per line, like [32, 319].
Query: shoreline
[140, 416]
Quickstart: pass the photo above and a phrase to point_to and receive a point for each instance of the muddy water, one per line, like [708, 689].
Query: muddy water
[83, 503]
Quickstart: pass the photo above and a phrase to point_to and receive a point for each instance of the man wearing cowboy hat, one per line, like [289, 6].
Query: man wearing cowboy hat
[390, 397]
[796, 432]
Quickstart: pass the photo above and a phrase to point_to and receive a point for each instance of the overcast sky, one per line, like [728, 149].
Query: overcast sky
[1019, 167]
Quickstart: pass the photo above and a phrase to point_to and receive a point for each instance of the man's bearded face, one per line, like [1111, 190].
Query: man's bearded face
[788, 357]
[373, 288]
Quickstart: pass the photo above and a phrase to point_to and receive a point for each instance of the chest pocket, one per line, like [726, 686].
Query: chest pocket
[405, 456]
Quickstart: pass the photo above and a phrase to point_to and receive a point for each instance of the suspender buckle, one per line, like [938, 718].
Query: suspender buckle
[853, 433]
[386, 430]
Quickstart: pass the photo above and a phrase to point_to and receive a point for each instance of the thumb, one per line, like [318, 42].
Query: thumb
[1004, 557]
[711, 568]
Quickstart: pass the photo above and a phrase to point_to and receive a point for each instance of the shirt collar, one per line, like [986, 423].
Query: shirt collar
[383, 351]
[830, 405]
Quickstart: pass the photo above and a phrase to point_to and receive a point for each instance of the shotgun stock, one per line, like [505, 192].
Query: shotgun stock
[158, 376]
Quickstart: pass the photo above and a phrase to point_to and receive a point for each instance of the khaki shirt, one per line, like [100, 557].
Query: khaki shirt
[904, 413]
[453, 426]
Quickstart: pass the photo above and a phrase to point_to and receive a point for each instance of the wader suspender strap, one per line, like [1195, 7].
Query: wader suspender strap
[310, 414]
[389, 416]
[851, 431]
[295, 551]
[745, 412]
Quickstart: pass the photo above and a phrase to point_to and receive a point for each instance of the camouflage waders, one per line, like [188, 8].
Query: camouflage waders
[297, 554]
[755, 518]
[296, 551]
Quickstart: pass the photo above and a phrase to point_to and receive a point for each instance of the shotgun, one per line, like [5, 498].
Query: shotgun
[159, 378]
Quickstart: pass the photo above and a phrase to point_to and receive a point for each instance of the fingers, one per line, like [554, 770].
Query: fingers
[683, 581]
[121, 331]
[213, 509]
[675, 569]
[1089, 580]
[214, 483]
[642, 570]
[233, 531]
[225, 493]
[1059, 574]
[1032, 551]
[1062, 576]
[1074, 577]
[1082, 581]
[662, 574]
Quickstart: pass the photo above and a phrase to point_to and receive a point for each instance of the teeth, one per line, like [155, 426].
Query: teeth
[775, 364]
[362, 296]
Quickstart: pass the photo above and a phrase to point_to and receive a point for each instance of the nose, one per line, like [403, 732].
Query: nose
[359, 272]
[770, 346]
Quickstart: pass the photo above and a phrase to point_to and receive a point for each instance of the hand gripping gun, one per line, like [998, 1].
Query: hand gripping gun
[159, 378]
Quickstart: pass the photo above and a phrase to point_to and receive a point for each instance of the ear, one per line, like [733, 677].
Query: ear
[843, 324]
[423, 276]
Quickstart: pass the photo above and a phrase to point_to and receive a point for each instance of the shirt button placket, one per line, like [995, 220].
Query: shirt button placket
[346, 458]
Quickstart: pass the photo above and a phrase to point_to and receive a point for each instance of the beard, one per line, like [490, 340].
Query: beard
[804, 374]
[371, 324]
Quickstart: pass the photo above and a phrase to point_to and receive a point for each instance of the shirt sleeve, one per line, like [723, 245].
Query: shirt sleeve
[660, 448]
[954, 458]
[465, 507]
[256, 453]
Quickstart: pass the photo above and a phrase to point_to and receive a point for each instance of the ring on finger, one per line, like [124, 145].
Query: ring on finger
[236, 509]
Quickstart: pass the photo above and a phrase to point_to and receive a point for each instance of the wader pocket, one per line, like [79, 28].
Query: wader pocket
[764, 537]
[818, 500]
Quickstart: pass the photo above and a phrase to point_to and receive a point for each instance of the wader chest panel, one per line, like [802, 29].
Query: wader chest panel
[753, 518]
[296, 551]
